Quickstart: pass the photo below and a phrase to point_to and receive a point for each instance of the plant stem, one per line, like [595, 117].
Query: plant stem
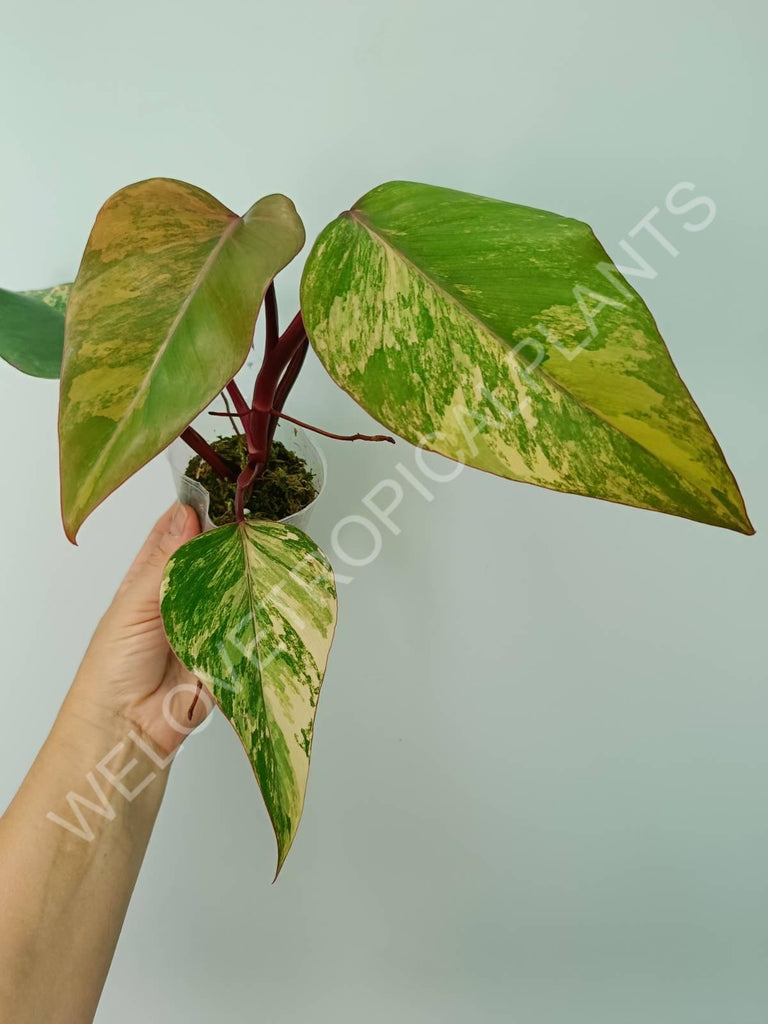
[275, 363]
[336, 437]
[244, 484]
[232, 419]
[291, 338]
[318, 430]
[283, 357]
[241, 407]
[240, 503]
[272, 332]
[279, 415]
[195, 699]
[267, 383]
[286, 383]
[272, 386]
[199, 445]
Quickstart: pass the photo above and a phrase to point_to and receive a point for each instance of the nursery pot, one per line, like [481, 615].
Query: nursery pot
[191, 492]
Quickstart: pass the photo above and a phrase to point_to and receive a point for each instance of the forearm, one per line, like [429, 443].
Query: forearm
[67, 870]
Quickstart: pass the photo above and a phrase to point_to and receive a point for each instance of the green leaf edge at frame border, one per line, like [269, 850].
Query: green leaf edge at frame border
[437, 310]
[161, 317]
[250, 609]
[32, 329]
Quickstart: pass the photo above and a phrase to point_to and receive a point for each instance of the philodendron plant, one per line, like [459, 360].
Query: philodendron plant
[494, 334]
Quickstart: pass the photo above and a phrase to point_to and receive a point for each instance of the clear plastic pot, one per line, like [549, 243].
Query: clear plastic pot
[191, 492]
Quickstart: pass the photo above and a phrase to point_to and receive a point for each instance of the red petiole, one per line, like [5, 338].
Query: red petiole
[319, 430]
[283, 358]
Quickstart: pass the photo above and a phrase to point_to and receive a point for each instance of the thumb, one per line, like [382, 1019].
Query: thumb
[172, 531]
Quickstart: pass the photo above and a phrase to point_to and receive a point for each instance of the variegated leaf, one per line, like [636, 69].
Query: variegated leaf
[32, 329]
[504, 337]
[251, 610]
[160, 318]
[56, 297]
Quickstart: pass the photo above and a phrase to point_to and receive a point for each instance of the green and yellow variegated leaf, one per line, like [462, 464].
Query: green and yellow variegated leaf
[160, 318]
[251, 610]
[504, 337]
[32, 329]
[56, 297]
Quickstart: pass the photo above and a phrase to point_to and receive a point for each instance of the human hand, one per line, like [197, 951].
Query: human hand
[129, 672]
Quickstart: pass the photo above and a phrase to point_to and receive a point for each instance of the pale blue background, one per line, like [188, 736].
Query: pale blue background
[540, 774]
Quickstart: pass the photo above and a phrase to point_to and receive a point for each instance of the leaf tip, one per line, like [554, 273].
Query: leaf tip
[70, 532]
[283, 849]
[737, 523]
[70, 522]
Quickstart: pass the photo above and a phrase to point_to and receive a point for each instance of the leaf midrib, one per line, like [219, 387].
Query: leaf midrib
[242, 533]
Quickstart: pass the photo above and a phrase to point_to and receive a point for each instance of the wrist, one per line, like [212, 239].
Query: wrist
[88, 729]
[92, 718]
[96, 749]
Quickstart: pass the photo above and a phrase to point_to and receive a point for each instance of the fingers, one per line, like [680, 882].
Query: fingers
[177, 526]
[158, 530]
[177, 529]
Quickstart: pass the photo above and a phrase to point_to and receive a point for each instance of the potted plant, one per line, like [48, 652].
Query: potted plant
[495, 334]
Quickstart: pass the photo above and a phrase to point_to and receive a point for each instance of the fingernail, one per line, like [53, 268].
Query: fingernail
[178, 519]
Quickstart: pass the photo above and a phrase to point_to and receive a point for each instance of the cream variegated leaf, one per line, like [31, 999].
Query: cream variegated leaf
[250, 609]
[504, 337]
[32, 329]
[160, 319]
